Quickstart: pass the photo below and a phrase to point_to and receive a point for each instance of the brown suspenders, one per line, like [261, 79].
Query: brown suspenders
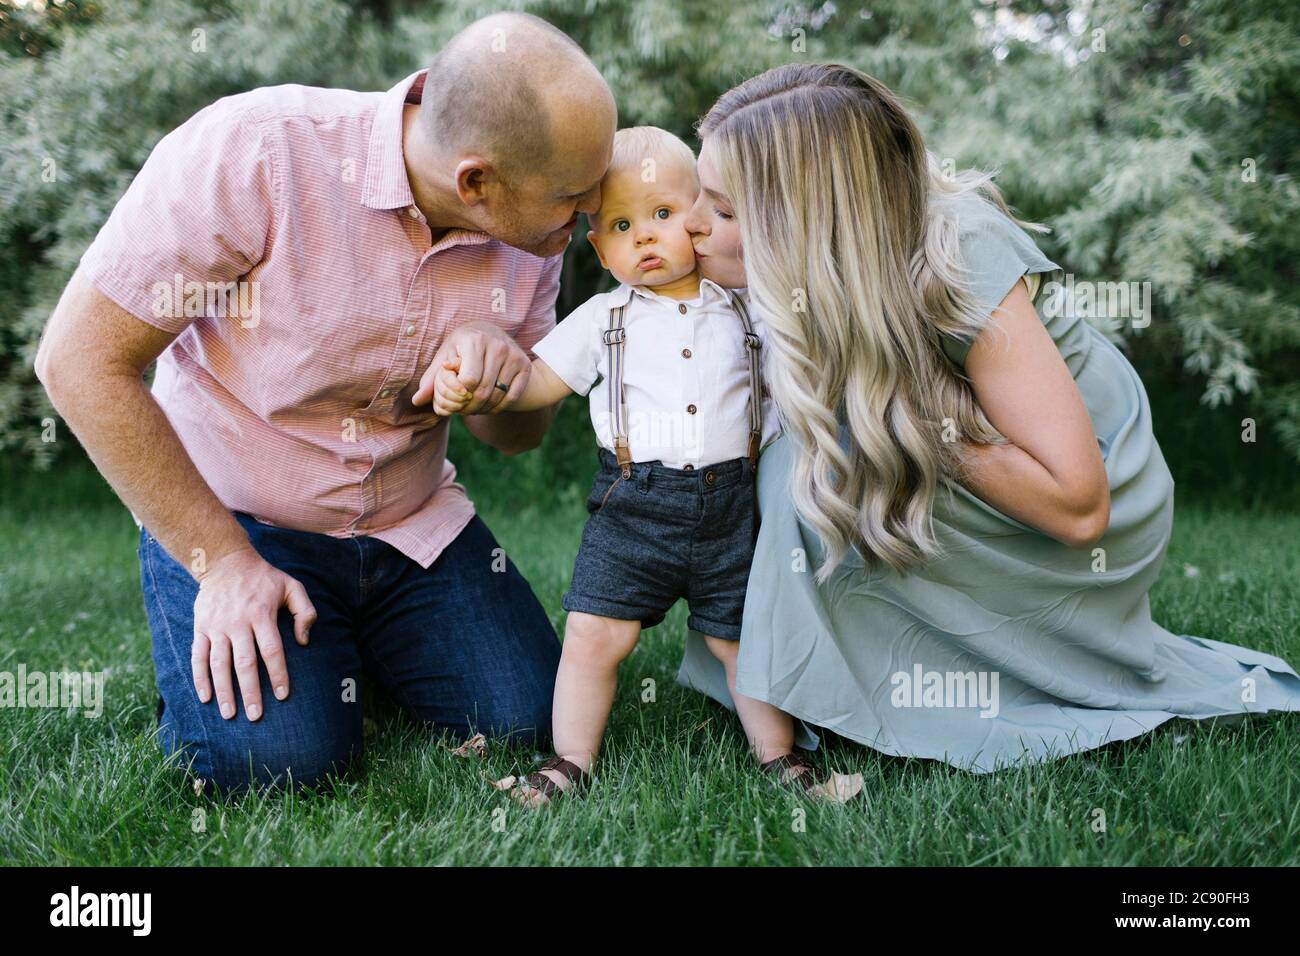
[615, 337]
[753, 344]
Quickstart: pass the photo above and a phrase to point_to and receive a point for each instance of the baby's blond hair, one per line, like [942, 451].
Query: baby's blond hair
[636, 145]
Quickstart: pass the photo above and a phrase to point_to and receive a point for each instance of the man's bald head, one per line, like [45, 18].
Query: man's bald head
[504, 87]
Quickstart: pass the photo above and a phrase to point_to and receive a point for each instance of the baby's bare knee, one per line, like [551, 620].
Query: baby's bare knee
[724, 650]
[596, 640]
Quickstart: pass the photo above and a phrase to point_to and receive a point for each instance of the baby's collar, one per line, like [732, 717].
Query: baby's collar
[710, 291]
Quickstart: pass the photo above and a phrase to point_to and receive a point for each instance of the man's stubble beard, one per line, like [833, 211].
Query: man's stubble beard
[510, 231]
[544, 245]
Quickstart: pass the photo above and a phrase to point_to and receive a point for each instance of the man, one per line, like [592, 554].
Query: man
[301, 261]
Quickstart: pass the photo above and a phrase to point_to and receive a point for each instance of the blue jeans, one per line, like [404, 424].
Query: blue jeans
[458, 646]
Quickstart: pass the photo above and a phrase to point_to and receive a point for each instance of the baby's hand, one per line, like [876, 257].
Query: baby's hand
[449, 396]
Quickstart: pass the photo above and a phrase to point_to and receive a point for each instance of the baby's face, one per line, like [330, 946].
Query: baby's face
[639, 233]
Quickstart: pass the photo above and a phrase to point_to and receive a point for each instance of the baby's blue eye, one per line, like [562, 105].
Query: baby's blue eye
[622, 225]
[663, 212]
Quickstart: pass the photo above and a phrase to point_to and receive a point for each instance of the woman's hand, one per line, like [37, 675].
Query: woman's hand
[1051, 476]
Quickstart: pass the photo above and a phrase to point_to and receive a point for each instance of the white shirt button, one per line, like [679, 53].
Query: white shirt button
[413, 212]
[410, 330]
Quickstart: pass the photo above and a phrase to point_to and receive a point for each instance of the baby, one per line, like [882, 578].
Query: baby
[671, 362]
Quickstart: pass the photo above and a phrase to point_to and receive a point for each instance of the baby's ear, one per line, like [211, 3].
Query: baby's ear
[595, 244]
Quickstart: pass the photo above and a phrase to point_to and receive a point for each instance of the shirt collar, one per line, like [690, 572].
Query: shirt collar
[387, 185]
[710, 292]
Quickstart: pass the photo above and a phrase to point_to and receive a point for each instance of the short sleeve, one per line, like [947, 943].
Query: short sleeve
[571, 348]
[199, 211]
[541, 314]
[997, 253]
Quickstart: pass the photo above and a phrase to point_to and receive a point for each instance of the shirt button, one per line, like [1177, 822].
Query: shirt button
[410, 330]
[686, 353]
[413, 212]
[688, 467]
[681, 309]
[384, 393]
[690, 409]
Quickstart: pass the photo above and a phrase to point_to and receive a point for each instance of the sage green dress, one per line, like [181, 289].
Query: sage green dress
[1010, 648]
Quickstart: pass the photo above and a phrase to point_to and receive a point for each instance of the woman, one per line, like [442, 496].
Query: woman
[967, 509]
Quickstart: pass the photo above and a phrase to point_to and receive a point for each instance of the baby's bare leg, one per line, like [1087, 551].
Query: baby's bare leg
[770, 731]
[584, 685]
[584, 691]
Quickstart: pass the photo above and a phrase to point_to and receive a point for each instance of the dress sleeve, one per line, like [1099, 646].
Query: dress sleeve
[998, 253]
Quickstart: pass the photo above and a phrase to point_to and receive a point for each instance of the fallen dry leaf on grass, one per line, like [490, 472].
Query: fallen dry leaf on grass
[838, 788]
[476, 746]
[505, 783]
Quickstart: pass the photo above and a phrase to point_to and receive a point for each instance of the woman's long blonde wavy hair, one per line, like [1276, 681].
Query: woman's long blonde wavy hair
[850, 238]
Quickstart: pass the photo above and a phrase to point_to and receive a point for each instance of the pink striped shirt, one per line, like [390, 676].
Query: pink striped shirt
[291, 388]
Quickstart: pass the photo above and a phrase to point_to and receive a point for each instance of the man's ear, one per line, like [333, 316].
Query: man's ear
[595, 244]
[474, 176]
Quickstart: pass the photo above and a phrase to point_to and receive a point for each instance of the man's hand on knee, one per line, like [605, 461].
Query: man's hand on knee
[235, 615]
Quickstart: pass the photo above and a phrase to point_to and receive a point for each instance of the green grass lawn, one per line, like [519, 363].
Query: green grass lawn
[675, 786]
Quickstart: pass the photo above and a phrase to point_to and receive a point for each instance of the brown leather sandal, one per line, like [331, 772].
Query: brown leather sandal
[539, 781]
[837, 788]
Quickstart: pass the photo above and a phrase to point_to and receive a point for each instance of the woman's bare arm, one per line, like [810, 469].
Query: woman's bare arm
[1051, 475]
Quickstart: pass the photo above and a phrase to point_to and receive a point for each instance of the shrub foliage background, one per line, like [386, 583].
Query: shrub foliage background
[1156, 139]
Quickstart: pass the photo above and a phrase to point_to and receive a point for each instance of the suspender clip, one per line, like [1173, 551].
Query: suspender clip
[624, 455]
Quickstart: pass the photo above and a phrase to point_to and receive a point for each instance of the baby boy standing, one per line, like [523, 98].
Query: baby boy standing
[672, 365]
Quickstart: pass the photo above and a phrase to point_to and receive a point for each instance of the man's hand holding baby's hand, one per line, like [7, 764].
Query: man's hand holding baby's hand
[449, 396]
[492, 366]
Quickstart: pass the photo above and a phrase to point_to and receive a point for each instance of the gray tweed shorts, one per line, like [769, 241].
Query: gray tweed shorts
[663, 534]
